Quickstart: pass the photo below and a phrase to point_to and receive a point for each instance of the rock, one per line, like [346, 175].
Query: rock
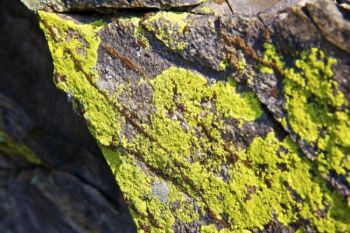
[53, 177]
[105, 5]
[255, 7]
[217, 116]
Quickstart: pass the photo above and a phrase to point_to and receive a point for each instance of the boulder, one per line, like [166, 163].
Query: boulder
[213, 116]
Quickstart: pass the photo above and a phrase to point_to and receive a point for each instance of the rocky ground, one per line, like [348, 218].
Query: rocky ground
[213, 116]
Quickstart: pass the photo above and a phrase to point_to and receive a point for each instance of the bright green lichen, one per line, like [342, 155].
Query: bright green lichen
[139, 31]
[316, 109]
[191, 91]
[209, 229]
[140, 37]
[193, 87]
[205, 10]
[241, 106]
[11, 147]
[146, 208]
[312, 93]
[199, 179]
[169, 27]
[182, 147]
[295, 175]
[223, 65]
[271, 56]
[73, 48]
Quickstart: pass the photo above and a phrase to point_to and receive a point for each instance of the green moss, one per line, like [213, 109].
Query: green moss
[316, 108]
[11, 147]
[169, 27]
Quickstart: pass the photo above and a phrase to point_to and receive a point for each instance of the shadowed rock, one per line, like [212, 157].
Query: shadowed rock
[219, 117]
[52, 175]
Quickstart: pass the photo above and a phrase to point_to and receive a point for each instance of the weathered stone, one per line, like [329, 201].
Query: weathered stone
[255, 7]
[219, 117]
[53, 177]
[106, 5]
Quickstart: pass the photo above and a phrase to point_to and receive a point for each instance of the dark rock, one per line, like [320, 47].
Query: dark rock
[53, 177]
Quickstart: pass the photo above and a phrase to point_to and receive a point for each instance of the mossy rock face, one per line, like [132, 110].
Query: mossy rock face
[215, 123]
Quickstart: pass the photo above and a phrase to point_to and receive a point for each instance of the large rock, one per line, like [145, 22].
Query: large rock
[53, 177]
[215, 116]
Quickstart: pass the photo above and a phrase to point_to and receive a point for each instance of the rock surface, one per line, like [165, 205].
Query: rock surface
[53, 177]
[216, 116]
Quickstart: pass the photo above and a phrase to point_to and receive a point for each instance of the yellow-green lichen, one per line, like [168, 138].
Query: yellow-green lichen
[169, 27]
[223, 64]
[149, 211]
[271, 56]
[242, 64]
[241, 106]
[311, 94]
[139, 31]
[11, 147]
[183, 149]
[205, 10]
[317, 110]
[73, 47]
[140, 37]
[253, 194]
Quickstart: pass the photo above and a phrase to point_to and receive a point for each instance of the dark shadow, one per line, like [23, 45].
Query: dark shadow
[54, 132]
